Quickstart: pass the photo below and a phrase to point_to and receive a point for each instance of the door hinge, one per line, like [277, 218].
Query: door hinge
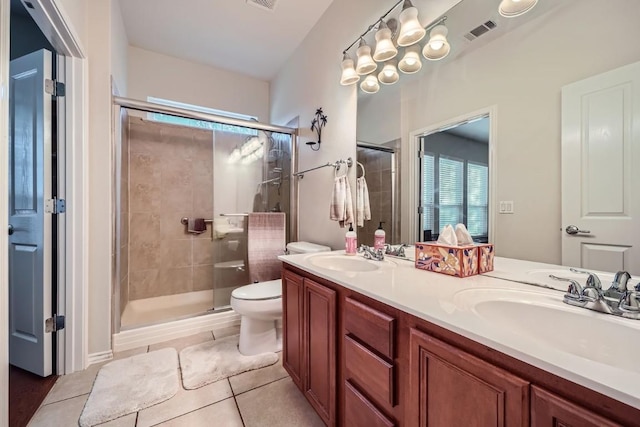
[55, 206]
[420, 210]
[54, 87]
[54, 324]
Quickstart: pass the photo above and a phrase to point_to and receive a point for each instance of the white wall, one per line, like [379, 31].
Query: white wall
[162, 76]
[75, 13]
[107, 56]
[119, 49]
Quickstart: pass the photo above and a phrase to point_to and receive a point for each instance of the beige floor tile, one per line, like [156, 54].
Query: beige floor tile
[73, 385]
[128, 353]
[226, 332]
[223, 413]
[279, 403]
[181, 343]
[183, 402]
[60, 414]
[249, 380]
[126, 421]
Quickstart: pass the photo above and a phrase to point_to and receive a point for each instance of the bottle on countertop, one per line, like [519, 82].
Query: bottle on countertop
[379, 237]
[350, 241]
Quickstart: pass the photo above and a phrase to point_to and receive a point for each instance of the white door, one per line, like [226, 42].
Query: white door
[601, 171]
[30, 347]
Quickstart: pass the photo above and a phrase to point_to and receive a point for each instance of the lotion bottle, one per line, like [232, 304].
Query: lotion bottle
[350, 241]
[379, 237]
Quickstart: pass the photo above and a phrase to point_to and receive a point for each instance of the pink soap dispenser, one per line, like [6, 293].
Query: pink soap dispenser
[379, 237]
[350, 241]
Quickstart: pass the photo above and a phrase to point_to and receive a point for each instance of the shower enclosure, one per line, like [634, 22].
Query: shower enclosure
[185, 185]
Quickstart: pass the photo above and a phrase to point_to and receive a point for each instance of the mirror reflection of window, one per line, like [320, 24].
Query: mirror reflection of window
[455, 179]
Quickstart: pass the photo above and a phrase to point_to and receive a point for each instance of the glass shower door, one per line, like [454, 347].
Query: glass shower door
[250, 174]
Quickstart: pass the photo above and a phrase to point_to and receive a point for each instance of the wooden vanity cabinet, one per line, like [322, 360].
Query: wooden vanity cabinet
[362, 363]
[449, 387]
[309, 341]
[549, 410]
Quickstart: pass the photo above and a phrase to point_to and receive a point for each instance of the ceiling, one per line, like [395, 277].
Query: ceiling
[229, 34]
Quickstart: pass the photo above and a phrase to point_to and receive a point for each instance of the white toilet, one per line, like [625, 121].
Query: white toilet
[260, 305]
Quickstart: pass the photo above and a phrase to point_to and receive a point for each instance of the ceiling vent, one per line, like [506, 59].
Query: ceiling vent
[480, 30]
[269, 5]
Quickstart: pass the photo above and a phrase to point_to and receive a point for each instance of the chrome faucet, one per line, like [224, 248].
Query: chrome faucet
[615, 300]
[396, 250]
[371, 253]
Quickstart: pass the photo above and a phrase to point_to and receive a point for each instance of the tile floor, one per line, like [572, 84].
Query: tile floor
[263, 397]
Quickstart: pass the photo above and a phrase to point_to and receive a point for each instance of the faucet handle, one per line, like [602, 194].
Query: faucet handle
[620, 281]
[593, 281]
[630, 301]
[574, 291]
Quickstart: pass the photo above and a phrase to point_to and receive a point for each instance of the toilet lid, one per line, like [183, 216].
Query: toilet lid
[259, 291]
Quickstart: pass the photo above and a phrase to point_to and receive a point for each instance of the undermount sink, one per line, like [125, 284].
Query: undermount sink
[545, 318]
[346, 263]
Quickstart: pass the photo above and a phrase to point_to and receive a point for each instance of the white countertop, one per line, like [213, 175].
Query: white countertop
[452, 303]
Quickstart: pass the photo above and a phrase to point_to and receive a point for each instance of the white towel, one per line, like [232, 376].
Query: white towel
[341, 208]
[363, 209]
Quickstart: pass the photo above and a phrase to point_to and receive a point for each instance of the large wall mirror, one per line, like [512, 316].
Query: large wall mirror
[517, 71]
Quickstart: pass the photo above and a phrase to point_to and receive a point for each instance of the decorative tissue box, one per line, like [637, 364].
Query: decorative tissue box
[459, 261]
[485, 257]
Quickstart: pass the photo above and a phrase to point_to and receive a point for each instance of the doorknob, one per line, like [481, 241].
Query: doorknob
[10, 229]
[572, 229]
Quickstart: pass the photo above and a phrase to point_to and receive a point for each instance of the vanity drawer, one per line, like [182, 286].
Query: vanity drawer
[369, 371]
[371, 326]
[359, 412]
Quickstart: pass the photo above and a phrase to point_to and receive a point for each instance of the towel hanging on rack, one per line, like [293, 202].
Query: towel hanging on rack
[341, 208]
[363, 208]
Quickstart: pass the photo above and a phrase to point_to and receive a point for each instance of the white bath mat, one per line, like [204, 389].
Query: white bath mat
[211, 361]
[129, 385]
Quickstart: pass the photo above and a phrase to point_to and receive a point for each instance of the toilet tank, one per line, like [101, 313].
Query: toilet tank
[305, 248]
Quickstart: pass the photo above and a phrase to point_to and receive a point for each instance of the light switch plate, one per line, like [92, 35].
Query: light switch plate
[506, 207]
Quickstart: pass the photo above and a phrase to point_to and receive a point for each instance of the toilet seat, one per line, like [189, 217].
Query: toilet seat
[271, 289]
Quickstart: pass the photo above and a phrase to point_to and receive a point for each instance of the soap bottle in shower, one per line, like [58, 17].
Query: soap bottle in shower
[350, 241]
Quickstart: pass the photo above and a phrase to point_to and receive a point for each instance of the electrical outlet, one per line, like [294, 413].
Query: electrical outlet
[506, 207]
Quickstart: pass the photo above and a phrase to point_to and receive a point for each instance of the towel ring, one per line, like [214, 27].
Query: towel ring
[361, 167]
[336, 169]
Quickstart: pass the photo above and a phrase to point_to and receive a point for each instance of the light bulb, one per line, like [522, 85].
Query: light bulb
[410, 61]
[436, 44]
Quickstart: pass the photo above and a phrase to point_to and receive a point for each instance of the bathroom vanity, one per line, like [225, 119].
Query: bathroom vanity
[374, 343]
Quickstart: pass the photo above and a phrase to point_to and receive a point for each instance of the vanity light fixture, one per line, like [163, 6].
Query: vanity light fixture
[349, 75]
[385, 49]
[388, 47]
[438, 47]
[370, 84]
[410, 62]
[366, 64]
[389, 74]
[513, 8]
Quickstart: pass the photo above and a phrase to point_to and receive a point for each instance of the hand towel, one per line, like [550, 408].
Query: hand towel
[363, 208]
[266, 240]
[341, 208]
[196, 226]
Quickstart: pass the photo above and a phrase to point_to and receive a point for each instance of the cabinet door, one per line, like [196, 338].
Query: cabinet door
[320, 349]
[449, 387]
[549, 410]
[292, 326]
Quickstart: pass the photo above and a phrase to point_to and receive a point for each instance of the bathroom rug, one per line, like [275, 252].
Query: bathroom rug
[129, 385]
[202, 364]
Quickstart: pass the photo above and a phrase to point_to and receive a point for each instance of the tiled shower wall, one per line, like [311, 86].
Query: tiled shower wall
[170, 177]
[378, 174]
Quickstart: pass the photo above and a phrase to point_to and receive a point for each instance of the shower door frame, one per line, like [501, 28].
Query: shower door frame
[148, 107]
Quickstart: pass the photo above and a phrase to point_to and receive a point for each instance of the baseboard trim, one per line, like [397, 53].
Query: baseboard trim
[102, 356]
[147, 335]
